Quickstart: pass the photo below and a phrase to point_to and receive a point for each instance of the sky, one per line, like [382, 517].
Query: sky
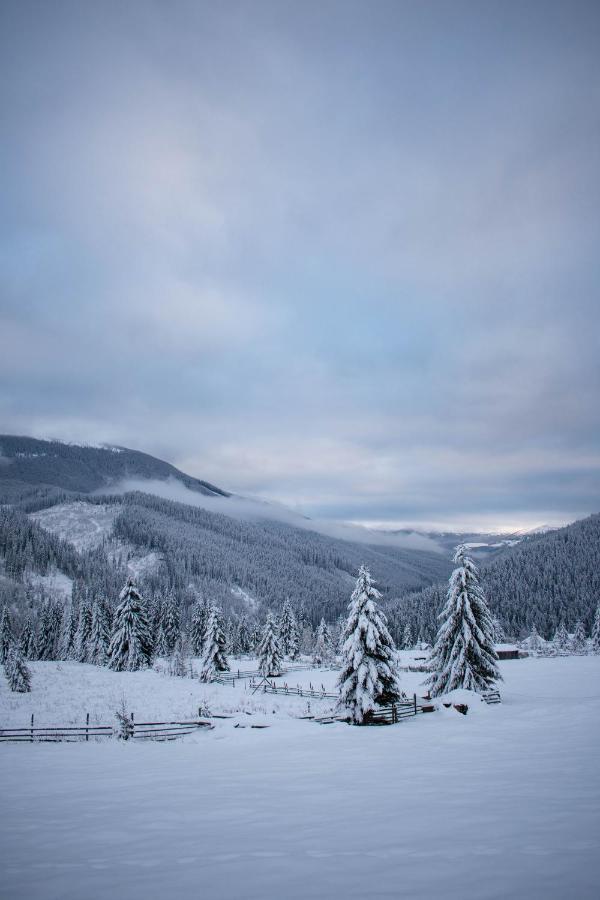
[341, 255]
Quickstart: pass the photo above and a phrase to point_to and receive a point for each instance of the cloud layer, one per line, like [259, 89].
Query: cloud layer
[341, 255]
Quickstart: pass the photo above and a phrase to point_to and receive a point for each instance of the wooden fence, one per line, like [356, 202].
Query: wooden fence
[269, 687]
[125, 729]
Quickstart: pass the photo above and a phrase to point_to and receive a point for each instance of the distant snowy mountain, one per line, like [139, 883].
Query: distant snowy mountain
[96, 514]
[28, 462]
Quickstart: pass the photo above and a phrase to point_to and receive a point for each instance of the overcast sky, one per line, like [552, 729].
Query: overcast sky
[342, 255]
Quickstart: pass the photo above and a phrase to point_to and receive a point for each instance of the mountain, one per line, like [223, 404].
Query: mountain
[70, 510]
[542, 579]
[27, 462]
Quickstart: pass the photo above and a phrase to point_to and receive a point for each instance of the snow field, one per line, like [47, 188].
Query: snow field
[503, 802]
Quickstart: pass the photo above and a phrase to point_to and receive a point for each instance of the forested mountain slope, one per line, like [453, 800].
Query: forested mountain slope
[27, 463]
[242, 565]
[544, 580]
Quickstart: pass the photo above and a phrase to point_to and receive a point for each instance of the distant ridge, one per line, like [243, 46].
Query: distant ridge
[82, 468]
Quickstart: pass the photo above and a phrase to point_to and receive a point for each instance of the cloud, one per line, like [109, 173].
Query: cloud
[341, 257]
[253, 509]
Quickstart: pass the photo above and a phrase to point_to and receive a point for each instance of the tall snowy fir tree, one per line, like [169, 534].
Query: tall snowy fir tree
[323, 651]
[596, 631]
[200, 616]
[49, 629]
[99, 639]
[561, 638]
[82, 635]
[534, 640]
[170, 622]
[579, 640]
[289, 632]
[130, 647]
[6, 635]
[270, 652]
[368, 678]
[464, 654]
[408, 641]
[68, 632]
[213, 658]
[17, 672]
[27, 640]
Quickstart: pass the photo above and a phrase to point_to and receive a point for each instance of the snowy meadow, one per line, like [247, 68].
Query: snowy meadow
[501, 802]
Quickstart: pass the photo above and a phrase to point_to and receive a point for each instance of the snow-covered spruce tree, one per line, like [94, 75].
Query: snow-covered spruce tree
[27, 641]
[47, 637]
[243, 636]
[6, 635]
[178, 664]
[66, 648]
[596, 631]
[199, 620]
[99, 640]
[213, 657]
[407, 638]
[464, 655]
[323, 647]
[161, 647]
[130, 646]
[499, 635]
[17, 672]
[170, 621]
[368, 678]
[82, 635]
[270, 653]
[561, 638]
[289, 634]
[534, 640]
[579, 640]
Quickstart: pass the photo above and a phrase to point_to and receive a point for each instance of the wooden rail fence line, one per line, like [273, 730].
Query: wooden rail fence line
[160, 731]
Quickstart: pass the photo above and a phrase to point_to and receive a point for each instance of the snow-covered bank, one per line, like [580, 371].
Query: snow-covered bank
[502, 802]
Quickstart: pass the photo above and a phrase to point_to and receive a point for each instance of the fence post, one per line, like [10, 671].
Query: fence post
[32, 728]
[87, 725]
[415, 702]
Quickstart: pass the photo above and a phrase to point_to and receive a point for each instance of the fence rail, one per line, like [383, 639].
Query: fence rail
[287, 691]
[127, 728]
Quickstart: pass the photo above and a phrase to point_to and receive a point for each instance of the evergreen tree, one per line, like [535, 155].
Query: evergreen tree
[130, 646]
[561, 638]
[323, 648]
[69, 632]
[368, 678]
[213, 658]
[270, 653]
[198, 628]
[534, 640]
[178, 664]
[579, 640]
[6, 635]
[464, 654]
[27, 644]
[244, 638]
[17, 672]
[407, 638]
[596, 631]
[47, 637]
[161, 648]
[170, 621]
[81, 648]
[499, 636]
[289, 635]
[99, 635]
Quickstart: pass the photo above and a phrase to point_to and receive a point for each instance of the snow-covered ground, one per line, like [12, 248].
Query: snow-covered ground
[503, 802]
[89, 525]
[85, 525]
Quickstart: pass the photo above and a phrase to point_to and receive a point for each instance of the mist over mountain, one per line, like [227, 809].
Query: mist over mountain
[106, 511]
